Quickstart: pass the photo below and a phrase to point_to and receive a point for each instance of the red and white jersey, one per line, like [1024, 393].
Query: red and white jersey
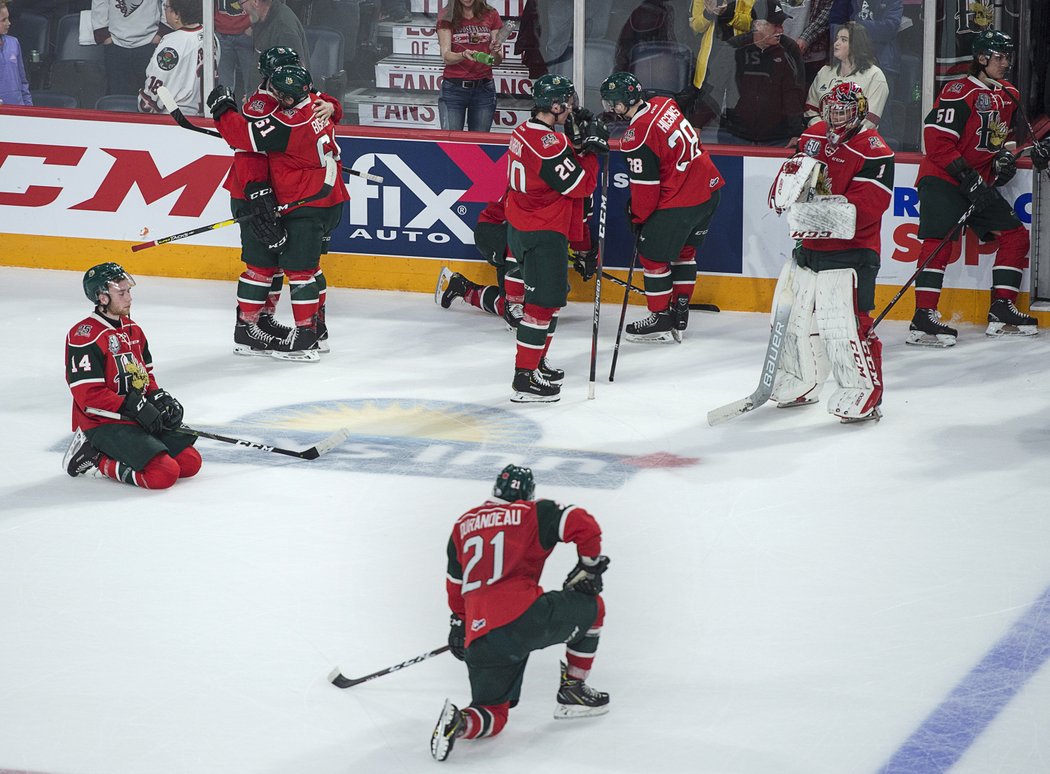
[297, 146]
[178, 64]
[496, 555]
[98, 351]
[666, 161]
[970, 120]
[861, 169]
[548, 181]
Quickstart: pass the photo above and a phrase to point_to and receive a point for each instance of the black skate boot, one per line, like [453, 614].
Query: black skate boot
[576, 699]
[1004, 319]
[450, 727]
[268, 324]
[300, 345]
[927, 330]
[250, 339]
[533, 387]
[655, 329]
[450, 286]
[81, 456]
[680, 314]
[512, 314]
[549, 372]
[322, 344]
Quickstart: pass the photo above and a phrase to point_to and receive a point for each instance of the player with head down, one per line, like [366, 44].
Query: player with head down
[674, 195]
[835, 193]
[496, 555]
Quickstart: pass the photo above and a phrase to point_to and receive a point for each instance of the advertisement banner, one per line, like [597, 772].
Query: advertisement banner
[422, 41]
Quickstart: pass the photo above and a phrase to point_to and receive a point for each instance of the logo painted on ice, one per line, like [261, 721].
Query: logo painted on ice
[436, 439]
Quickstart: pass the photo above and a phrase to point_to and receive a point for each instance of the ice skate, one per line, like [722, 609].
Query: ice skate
[927, 330]
[298, 346]
[1004, 319]
[450, 286]
[81, 456]
[803, 401]
[250, 339]
[576, 699]
[533, 387]
[549, 372]
[657, 328]
[512, 314]
[872, 416]
[680, 315]
[449, 728]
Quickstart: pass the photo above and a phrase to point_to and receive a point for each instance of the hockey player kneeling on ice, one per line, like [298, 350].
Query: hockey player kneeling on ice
[966, 160]
[500, 614]
[124, 422]
[674, 195]
[835, 195]
[549, 180]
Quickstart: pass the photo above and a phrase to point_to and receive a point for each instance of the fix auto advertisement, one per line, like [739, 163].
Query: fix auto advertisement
[135, 179]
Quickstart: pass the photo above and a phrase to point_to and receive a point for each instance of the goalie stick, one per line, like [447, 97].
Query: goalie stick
[329, 182]
[179, 117]
[339, 680]
[312, 453]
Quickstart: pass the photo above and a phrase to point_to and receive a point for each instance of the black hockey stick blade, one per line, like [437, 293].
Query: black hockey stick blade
[704, 307]
[178, 116]
[339, 680]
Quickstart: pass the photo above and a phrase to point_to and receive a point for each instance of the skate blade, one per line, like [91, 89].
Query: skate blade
[573, 711]
[440, 744]
[528, 397]
[249, 352]
[442, 284]
[323, 347]
[797, 402]
[873, 416]
[920, 339]
[667, 337]
[300, 356]
[677, 335]
[998, 330]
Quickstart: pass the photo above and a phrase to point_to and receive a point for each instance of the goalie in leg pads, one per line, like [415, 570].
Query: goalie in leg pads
[834, 284]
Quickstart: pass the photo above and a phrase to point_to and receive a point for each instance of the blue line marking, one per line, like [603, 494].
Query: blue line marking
[974, 703]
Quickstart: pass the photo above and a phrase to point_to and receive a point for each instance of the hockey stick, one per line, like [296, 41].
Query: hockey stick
[179, 117]
[635, 289]
[312, 453]
[764, 390]
[951, 235]
[329, 182]
[602, 207]
[628, 286]
[337, 678]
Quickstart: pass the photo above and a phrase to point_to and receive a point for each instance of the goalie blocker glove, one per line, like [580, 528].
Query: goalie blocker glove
[586, 576]
[266, 226]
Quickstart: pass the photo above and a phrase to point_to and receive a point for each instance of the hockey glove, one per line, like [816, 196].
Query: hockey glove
[971, 185]
[575, 127]
[636, 228]
[169, 408]
[1041, 155]
[596, 137]
[137, 407]
[220, 100]
[586, 576]
[585, 262]
[1004, 166]
[457, 637]
[265, 224]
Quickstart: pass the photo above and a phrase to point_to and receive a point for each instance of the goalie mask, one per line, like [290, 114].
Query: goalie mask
[97, 280]
[514, 483]
[843, 109]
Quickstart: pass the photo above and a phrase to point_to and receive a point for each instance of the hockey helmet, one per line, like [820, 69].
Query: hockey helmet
[514, 483]
[843, 109]
[291, 81]
[990, 42]
[97, 279]
[277, 56]
[553, 93]
[621, 87]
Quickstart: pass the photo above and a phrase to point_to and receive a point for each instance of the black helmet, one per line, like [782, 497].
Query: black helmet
[514, 483]
[291, 81]
[97, 279]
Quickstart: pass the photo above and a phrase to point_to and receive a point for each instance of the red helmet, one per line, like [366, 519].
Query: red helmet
[843, 109]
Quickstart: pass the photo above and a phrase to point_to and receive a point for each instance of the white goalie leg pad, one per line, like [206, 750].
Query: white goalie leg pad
[851, 359]
[823, 217]
[804, 365]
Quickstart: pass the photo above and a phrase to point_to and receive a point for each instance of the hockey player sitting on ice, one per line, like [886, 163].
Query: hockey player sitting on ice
[505, 299]
[256, 331]
[551, 175]
[674, 195]
[500, 614]
[299, 147]
[835, 193]
[124, 422]
[965, 135]
[178, 61]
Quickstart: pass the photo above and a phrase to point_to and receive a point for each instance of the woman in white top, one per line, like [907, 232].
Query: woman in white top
[854, 61]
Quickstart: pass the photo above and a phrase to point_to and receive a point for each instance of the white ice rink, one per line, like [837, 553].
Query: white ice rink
[786, 596]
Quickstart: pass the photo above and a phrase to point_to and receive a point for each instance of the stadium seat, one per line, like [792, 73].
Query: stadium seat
[33, 34]
[326, 60]
[67, 42]
[53, 99]
[599, 57]
[77, 69]
[121, 103]
[662, 67]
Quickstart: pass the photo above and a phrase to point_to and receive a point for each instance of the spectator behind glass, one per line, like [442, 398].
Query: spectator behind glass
[768, 73]
[811, 33]
[236, 47]
[466, 31]
[275, 24]
[177, 61]
[854, 61]
[653, 20]
[14, 87]
[129, 34]
[881, 20]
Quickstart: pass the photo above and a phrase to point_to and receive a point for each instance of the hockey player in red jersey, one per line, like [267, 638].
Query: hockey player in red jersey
[263, 237]
[500, 614]
[674, 195]
[965, 134]
[549, 181]
[299, 146]
[832, 278]
[123, 421]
